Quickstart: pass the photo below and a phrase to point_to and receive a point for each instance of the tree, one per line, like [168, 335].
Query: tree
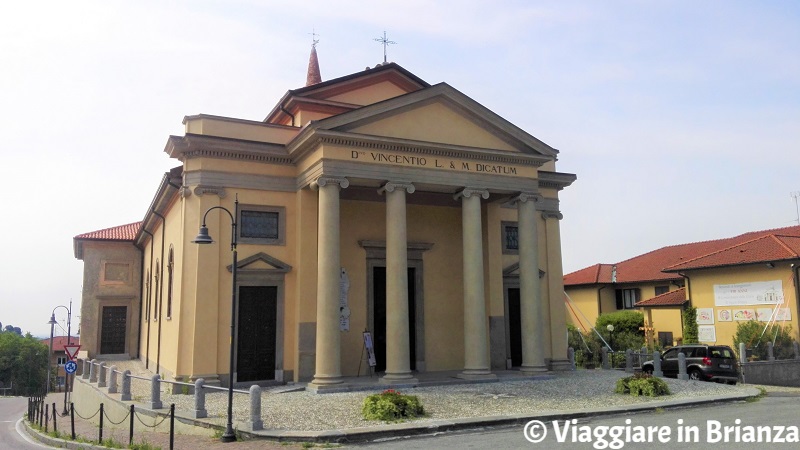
[23, 363]
[13, 329]
[690, 333]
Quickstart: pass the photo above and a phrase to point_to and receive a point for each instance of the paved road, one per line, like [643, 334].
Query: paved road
[12, 436]
[773, 410]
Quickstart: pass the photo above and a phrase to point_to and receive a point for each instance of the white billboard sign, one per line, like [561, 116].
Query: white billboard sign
[755, 293]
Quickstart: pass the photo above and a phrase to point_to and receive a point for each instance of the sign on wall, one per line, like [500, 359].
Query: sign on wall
[755, 293]
[706, 333]
[344, 310]
[705, 316]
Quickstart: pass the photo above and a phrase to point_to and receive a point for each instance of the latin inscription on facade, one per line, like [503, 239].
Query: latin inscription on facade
[432, 163]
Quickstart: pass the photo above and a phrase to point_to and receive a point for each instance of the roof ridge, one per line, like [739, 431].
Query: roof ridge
[780, 242]
[738, 244]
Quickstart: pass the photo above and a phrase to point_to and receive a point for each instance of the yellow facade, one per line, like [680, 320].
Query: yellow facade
[331, 180]
[702, 292]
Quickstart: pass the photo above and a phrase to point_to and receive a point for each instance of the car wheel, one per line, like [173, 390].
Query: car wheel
[694, 374]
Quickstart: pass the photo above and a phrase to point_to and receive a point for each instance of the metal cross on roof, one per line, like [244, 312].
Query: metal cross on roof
[314, 40]
[385, 43]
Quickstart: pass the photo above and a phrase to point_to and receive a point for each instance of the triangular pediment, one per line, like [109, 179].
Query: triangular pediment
[512, 271]
[441, 115]
[335, 96]
[261, 262]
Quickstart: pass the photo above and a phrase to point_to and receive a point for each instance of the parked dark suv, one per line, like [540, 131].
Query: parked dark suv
[703, 362]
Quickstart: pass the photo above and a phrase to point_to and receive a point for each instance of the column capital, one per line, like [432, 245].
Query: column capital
[468, 192]
[552, 215]
[390, 186]
[324, 181]
[523, 197]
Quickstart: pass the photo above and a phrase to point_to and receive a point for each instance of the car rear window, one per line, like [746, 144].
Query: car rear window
[721, 352]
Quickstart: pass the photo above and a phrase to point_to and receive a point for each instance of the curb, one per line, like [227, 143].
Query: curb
[407, 429]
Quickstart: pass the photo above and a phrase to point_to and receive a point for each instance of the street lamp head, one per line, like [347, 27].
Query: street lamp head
[52, 320]
[610, 327]
[203, 237]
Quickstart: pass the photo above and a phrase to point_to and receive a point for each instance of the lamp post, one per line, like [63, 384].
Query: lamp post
[204, 238]
[53, 323]
[610, 329]
[69, 342]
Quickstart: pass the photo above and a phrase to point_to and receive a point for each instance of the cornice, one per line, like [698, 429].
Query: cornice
[199, 146]
[556, 180]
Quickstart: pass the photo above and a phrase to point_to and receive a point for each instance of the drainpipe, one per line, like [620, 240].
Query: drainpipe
[288, 114]
[149, 297]
[796, 274]
[160, 292]
[600, 303]
[141, 308]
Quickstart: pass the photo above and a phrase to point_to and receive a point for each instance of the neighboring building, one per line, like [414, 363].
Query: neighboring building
[751, 276]
[371, 202]
[59, 357]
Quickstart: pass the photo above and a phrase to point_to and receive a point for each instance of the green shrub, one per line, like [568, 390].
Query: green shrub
[642, 384]
[623, 321]
[391, 405]
[752, 334]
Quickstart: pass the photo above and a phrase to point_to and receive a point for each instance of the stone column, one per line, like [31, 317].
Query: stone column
[398, 366]
[555, 281]
[476, 348]
[532, 314]
[328, 371]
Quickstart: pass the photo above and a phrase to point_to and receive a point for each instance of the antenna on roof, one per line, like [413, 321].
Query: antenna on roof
[794, 196]
[385, 43]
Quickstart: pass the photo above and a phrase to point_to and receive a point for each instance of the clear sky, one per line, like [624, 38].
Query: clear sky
[681, 119]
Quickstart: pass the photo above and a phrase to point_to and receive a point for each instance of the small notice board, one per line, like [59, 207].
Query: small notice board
[370, 349]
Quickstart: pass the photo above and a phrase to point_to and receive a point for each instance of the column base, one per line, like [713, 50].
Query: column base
[476, 374]
[560, 365]
[533, 370]
[327, 384]
[394, 379]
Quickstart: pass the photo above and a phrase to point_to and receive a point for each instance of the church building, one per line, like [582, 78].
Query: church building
[370, 208]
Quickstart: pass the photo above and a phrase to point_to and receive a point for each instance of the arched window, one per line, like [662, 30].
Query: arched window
[170, 267]
[157, 290]
[147, 294]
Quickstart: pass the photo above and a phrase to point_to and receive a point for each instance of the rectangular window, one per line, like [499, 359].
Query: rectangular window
[662, 290]
[61, 360]
[262, 225]
[627, 298]
[510, 237]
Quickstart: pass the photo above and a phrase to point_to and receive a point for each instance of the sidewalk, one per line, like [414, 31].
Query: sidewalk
[450, 404]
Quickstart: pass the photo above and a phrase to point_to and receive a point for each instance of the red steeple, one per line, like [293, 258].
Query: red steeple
[313, 76]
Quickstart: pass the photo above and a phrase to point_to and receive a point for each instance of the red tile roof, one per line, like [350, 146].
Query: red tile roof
[60, 341]
[650, 266]
[672, 298]
[762, 249]
[118, 233]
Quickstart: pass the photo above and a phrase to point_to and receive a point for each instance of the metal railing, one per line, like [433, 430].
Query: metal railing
[42, 415]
